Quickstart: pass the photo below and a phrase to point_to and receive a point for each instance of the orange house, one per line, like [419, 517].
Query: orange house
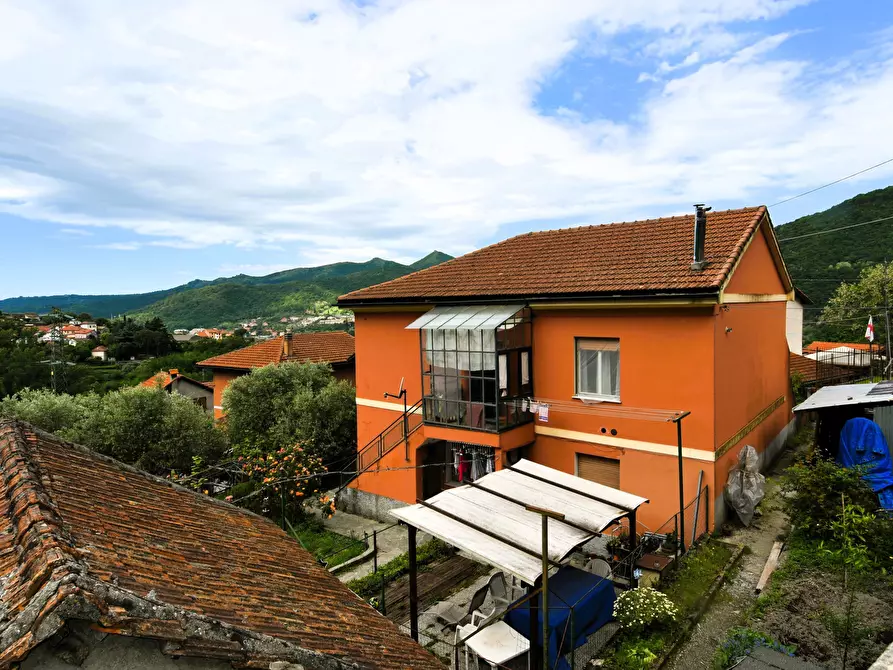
[605, 332]
[335, 348]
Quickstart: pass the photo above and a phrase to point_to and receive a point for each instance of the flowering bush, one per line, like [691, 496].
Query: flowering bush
[286, 479]
[644, 607]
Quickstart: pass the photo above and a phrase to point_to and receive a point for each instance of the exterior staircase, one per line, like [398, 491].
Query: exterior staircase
[386, 441]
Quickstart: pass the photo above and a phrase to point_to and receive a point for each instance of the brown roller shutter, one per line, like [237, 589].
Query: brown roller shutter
[600, 470]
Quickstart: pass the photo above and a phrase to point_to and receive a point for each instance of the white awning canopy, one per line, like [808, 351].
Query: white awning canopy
[489, 519]
[468, 317]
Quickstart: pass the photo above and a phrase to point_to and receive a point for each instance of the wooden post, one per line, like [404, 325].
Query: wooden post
[413, 586]
[633, 545]
[534, 659]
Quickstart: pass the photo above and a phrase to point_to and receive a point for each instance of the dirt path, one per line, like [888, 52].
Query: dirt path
[737, 594]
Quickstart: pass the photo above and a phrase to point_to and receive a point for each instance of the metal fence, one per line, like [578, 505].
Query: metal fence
[694, 520]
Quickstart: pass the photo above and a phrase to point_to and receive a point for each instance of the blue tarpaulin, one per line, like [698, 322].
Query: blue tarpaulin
[862, 444]
[591, 600]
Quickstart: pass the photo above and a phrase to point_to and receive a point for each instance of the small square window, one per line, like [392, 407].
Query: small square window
[598, 368]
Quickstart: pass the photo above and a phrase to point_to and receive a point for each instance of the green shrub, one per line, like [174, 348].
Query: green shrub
[643, 608]
[813, 488]
[740, 643]
[637, 653]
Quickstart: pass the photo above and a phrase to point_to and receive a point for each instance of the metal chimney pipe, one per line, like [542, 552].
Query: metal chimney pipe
[699, 262]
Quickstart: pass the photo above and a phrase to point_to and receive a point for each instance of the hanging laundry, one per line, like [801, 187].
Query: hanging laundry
[543, 413]
[503, 371]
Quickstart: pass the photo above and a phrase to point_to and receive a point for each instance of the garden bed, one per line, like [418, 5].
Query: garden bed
[330, 548]
[687, 588]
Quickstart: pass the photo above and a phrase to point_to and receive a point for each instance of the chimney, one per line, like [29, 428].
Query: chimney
[699, 263]
[286, 346]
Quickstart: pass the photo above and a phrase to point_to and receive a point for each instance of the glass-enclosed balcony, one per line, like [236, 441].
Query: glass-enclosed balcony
[477, 365]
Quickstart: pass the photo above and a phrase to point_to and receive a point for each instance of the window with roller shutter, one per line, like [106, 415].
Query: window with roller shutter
[599, 470]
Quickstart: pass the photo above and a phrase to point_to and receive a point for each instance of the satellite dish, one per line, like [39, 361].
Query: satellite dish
[402, 379]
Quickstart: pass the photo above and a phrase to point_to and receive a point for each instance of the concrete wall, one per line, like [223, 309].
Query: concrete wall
[368, 505]
[112, 652]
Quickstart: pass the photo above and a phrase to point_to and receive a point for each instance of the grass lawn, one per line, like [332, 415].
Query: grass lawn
[327, 546]
[686, 588]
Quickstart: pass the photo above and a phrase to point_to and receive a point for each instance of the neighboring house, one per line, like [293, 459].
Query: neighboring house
[101, 352]
[105, 566]
[185, 337]
[604, 330]
[335, 348]
[201, 393]
[845, 354]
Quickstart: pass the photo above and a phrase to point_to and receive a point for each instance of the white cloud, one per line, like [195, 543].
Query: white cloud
[119, 246]
[397, 129]
[75, 231]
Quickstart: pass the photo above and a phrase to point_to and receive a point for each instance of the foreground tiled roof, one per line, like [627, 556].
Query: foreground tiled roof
[826, 346]
[811, 370]
[85, 537]
[620, 258]
[161, 379]
[330, 347]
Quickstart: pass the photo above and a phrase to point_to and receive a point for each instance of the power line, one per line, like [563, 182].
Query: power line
[834, 230]
[836, 181]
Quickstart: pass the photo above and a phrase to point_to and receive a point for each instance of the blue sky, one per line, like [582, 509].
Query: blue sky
[142, 148]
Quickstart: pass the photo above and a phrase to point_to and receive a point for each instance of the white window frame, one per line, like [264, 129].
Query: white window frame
[585, 395]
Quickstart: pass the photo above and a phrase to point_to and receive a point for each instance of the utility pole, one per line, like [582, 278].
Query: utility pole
[887, 320]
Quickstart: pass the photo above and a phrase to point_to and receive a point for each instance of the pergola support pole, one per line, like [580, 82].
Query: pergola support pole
[413, 585]
[681, 534]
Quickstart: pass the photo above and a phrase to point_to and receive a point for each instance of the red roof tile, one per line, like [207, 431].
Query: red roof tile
[640, 257]
[328, 347]
[811, 370]
[825, 346]
[85, 537]
[161, 379]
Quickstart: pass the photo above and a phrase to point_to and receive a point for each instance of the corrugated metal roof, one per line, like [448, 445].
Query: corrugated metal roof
[489, 519]
[844, 395]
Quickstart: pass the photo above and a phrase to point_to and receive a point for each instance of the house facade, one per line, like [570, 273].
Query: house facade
[335, 348]
[201, 393]
[575, 348]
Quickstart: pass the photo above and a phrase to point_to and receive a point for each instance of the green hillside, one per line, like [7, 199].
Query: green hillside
[819, 263]
[226, 302]
[230, 299]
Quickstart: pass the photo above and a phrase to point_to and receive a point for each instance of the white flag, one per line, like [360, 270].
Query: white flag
[869, 332]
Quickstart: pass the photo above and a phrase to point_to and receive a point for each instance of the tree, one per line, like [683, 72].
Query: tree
[148, 428]
[278, 406]
[21, 355]
[846, 314]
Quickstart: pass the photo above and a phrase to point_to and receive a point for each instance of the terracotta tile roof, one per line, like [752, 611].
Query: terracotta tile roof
[329, 347]
[85, 537]
[158, 379]
[811, 370]
[640, 257]
[101, 347]
[825, 346]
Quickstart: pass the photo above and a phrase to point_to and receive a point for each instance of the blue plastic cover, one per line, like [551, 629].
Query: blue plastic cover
[862, 444]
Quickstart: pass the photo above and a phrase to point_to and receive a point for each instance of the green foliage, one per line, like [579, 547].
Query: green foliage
[370, 585]
[21, 357]
[281, 405]
[638, 653]
[837, 256]
[286, 479]
[696, 571]
[643, 608]
[186, 360]
[328, 547]
[813, 487]
[286, 293]
[129, 338]
[148, 428]
[740, 643]
[798, 387]
[848, 308]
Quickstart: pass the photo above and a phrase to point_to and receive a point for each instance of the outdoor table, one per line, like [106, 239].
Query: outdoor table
[497, 644]
[591, 600]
